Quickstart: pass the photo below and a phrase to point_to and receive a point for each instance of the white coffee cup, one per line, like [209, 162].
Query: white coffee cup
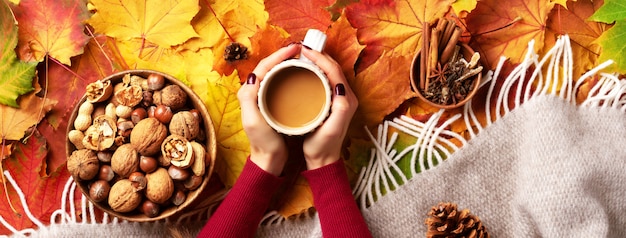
[295, 95]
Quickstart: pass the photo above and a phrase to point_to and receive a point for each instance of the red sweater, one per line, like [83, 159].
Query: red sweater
[241, 211]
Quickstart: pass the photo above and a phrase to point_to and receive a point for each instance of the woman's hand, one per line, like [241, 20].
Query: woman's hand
[267, 147]
[324, 145]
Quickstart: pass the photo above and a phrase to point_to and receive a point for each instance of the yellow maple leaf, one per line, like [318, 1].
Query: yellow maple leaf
[165, 23]
[225, 21]
[233, 146]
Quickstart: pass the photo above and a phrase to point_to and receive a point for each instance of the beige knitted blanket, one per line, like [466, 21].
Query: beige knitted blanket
[547, 167]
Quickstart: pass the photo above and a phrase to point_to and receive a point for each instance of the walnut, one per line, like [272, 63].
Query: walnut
[125, 160]
[123, 197]
[178, 150]
[83, 164]
[185, 124]
[147, 136]
[160, 186]
[99, 91]
[173, 96]
[101, 134]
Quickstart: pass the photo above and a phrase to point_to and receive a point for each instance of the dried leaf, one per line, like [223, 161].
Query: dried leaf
[500, 28]
[51, 27]
[394, 27]
[343, 46]
[16, 77]
[164, 23]
[296, 17]
[14, 122]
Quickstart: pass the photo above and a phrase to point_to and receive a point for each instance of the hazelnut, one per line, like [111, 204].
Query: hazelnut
[193, 182]
[123, 197]
[177, 174]
[148, 164]
[125, 160]
[174, 97]
[185, 124]
[83, 164]
[99, 190]
[179, 197]
[163, 113]
[138, 114]
[147, 136]
[106, 173]
[160, 186]
[105, 156]
[138, 180]
[147, 99]
[149, 208]
[155, 82]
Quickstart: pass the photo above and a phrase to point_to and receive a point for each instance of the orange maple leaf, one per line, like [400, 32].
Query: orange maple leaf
[391, 26]
[504, 28]
[47, 27]
[582, 32]
[296, 17]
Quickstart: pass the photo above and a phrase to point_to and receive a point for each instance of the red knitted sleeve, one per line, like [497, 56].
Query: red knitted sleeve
[338, 212]
[243, 208]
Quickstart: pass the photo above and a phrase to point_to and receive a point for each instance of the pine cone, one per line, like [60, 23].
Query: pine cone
[446, 221]
[235, 51]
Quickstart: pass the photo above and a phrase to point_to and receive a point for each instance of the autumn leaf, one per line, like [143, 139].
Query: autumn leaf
[394, 27]
[14, 122]
[261, 47]
[52, 27]
[611, 11]
[582, 32]
[343, 46]
[42, 191]
[505, 28]
[67, 86]
[613, 47]
[381, 88]
[222, 22]
[233, 145]
[165, 23]
[16, 77]
[296, 17]
[461, 7]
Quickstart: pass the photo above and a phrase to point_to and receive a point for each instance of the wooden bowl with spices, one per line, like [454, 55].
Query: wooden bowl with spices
[449, 74]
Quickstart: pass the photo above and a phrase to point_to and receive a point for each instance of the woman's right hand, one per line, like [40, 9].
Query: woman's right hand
[267, 147]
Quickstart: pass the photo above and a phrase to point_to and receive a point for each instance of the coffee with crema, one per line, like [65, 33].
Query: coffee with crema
[295, 97]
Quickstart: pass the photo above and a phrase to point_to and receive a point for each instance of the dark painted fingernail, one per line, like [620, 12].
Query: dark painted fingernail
[251, 78]
[306, 46]
[340, 90]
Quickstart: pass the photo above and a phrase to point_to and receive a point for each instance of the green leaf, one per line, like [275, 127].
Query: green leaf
[611, 11]
[15, 76]
[613, 47]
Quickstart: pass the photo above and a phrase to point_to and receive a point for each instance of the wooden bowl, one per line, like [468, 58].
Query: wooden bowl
[193, 101]
[467, 52]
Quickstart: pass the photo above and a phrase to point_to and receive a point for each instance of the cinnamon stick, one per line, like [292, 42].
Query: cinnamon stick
[424, 54]
[449, 47]
[433, 55]
[447, 33]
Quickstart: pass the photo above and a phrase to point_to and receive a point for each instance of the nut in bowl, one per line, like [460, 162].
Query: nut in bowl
[141, 145]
